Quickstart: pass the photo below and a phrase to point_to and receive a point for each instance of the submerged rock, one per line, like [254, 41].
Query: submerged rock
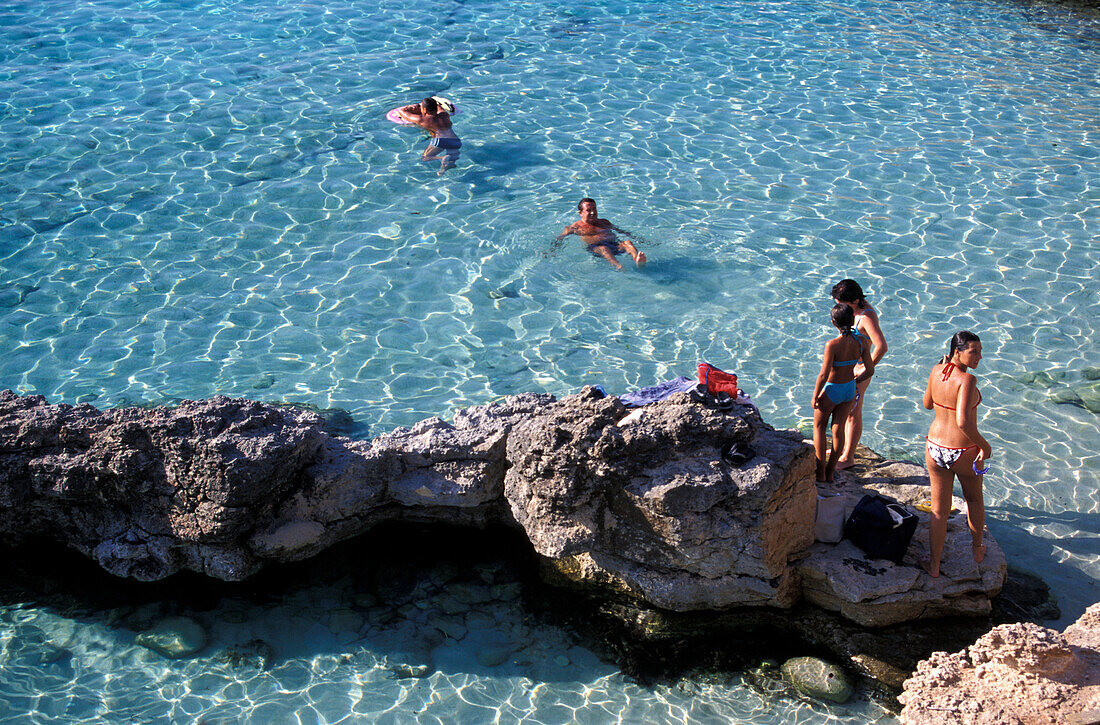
[451, 628]
[1085, 396]
[263, 382]
[817, 678]
[408, 665]
[174, 638]
[766, 678]
[1024, 598]
[49, 654]
[14, 294]
[253, 654]
[505, 292]
[1042, 378]
[345, 622]
[404, 670]
[364, 600]
[493, 655]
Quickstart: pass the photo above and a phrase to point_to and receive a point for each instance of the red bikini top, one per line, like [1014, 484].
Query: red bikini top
[947, 370]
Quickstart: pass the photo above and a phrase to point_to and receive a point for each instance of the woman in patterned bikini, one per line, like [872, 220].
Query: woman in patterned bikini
[954, 445]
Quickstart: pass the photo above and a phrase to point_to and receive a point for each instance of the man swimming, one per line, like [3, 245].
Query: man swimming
[599, 236]
[430, 117]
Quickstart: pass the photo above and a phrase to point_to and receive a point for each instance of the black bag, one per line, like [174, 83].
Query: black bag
[882, 528]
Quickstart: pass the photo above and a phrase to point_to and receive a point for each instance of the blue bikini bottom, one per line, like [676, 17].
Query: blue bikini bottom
[840, 392]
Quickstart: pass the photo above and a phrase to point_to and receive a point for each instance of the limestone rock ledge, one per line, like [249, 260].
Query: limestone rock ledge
[1015, 674]
[640, 503]
[875, 593]
[647, 505]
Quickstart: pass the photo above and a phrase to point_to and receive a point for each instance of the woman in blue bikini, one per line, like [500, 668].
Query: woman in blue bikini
[954, 445]
[850, 293]
[835, 389]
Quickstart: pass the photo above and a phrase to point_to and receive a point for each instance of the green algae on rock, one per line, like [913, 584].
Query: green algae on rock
[817, 678]
[174, 638]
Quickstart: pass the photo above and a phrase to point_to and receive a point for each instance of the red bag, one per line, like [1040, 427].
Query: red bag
[718, 381]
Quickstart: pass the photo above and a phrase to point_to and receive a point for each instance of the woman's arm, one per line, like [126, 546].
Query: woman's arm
[928, 390]
[874, 332]
[868, 365]
[414, 118]
[822, 376]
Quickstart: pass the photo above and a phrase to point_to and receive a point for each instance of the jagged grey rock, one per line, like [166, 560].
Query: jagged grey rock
[147, 492]
[877, 592]
[650, 507]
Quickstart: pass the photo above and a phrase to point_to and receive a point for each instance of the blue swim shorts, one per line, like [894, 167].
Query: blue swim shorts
[446, 144]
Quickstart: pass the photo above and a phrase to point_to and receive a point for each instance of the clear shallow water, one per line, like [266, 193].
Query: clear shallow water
[427, 629]
[206, 198]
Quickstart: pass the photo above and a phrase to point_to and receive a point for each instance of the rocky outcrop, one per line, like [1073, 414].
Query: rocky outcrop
[878, 592]
[149, 492]
[223, 485]
[436, 471]
[1015, 674]
[644, 504]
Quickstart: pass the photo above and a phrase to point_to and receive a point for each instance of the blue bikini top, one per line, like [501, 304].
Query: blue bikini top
[842, 363]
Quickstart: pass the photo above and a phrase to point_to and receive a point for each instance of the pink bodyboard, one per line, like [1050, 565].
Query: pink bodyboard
[392, 114]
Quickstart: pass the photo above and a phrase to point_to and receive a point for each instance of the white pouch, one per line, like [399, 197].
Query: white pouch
[829, 522]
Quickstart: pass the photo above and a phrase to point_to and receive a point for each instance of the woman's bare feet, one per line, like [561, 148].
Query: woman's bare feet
[842, 464]
[641, 259]
[927, 567]
[979, 552]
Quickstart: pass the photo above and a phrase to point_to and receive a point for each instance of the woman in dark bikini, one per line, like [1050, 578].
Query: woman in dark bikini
[954, 445]
[445, 145]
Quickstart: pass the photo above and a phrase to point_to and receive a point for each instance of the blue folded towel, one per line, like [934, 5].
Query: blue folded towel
[660, 391]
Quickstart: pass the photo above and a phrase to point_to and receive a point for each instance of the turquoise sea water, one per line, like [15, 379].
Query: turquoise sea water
[204, 197]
